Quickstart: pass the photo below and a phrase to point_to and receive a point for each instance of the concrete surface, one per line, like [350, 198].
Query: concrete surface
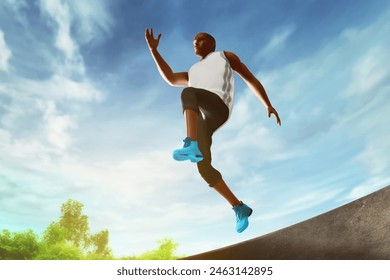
[359, 230]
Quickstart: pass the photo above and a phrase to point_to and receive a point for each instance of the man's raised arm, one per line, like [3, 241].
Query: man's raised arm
[173, 79]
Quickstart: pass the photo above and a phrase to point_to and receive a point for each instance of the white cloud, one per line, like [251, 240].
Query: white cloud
[16, 3]
[5, 53]
[92, 19]
[300, 203]
[367, 99]
[58, 11]
[368, 187]
[37, 113]
[57, 126]
[58, 88]
[278, 40]
[62, 87]
[44, 113]
[375, 155]
[370, 71]
[27, 162]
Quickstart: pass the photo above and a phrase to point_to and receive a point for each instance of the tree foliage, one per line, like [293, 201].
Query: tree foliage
[59, 251]
[18, 245]
[165, 251]
[74, 224]
[69, 238]
[99, 243]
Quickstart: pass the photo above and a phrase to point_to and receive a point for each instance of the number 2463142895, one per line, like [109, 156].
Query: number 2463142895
[241, 271]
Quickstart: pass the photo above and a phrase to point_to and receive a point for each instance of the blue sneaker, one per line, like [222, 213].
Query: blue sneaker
[189, 151]
[242, 213]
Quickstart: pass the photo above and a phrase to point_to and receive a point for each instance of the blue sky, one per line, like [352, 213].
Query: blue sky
[84, 114]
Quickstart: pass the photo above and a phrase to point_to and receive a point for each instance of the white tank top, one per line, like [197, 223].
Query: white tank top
[214, 73]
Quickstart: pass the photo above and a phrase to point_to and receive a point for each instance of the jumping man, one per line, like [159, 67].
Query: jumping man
[207, 102]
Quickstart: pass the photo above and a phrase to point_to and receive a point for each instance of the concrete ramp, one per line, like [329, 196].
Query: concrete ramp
[359, 230]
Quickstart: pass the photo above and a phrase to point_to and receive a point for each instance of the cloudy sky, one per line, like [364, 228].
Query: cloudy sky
[85, 115]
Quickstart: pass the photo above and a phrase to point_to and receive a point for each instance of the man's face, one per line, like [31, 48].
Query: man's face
[203, 45]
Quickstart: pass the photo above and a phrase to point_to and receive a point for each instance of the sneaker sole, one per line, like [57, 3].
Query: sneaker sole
[191, 157]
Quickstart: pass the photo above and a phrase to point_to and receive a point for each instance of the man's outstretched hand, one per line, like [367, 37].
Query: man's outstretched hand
[272, 111]
[150, 40]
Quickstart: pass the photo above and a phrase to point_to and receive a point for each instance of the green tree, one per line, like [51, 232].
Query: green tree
[54, 234]
[99, 244]
[18, 245]
[165, 251]
[59, 251]
[74, 223]
[70, 238]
